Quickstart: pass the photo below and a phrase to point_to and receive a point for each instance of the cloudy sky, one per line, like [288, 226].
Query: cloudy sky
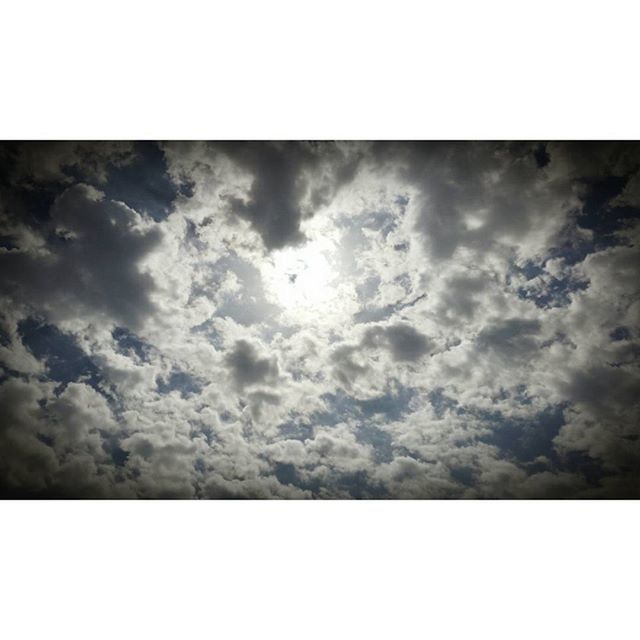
[319, 320]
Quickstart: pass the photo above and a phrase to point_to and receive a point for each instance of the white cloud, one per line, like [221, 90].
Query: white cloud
[327, 320]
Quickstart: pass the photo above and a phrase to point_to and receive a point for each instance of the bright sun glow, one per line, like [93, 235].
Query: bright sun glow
[302, 278]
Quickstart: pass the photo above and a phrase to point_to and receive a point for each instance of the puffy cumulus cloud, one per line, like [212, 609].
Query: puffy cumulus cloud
[273, 186]
[403, 341]
[319, 320]
[289, 182]
[88, 263]
[511, 340]
[57, 444]
[481, 197]
[409, 478]
[348, 364]
[248, 368]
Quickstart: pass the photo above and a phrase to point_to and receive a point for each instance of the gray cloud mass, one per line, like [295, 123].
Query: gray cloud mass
[331, 320]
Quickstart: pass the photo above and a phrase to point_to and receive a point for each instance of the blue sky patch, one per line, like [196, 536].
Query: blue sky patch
[144, 184]
[66, 361]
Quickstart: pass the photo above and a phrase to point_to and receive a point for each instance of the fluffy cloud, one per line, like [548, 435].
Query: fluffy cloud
[402, 340]
[328, 320]
[248, 368]
[87, 262]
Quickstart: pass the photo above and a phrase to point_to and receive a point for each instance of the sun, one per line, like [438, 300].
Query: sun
[302, 279]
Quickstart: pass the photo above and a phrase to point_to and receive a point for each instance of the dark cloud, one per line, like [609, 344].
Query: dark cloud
[290, 181]
[513, 338]
[479, 195]
[319, 320]
[248, 368]
[462, 296]
[86, 260]
[261, 399]
[29, 165]
[403, 341]
[53, 446]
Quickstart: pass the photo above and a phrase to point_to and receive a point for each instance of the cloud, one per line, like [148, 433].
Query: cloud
[35, 163]
[347, 367]
[248, 368]
[472, 331]
[512, 338]
[88, 262]
[403, 341]
[54, 446]
[479, 196]
[289, 182]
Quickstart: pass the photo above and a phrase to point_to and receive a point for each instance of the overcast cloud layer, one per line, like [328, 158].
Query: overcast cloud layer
[319, 320]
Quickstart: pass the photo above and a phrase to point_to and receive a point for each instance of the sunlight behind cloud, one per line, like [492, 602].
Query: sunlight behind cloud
[402, 320]
[302, 279]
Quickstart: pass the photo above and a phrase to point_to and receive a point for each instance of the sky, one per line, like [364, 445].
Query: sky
[329, 320]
